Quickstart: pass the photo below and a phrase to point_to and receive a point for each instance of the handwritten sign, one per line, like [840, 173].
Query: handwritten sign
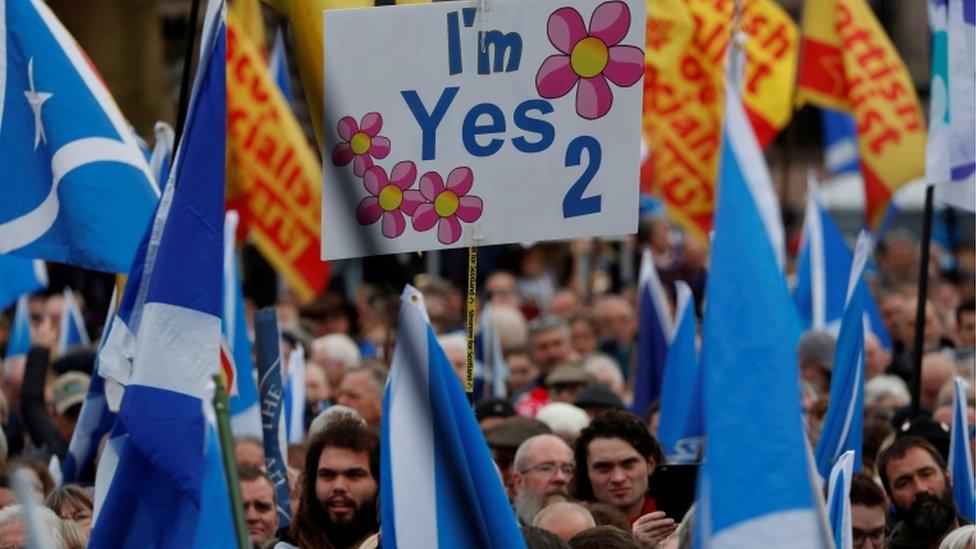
[446, 126]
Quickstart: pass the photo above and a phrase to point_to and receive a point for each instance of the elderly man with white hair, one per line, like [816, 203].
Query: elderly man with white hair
[335, 354]
[884, 395]
[564, 519]
[543, 468]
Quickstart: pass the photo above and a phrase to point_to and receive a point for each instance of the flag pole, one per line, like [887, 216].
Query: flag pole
[222, 409]
[923, 289]
[472, 302]
[184, 100]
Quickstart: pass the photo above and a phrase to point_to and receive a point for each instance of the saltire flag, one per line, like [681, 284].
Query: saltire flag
[756, 482]
[278, 65]
[840, 142]
[20, 330]
[494, 368]
[156, 493]
[839, 501]
[216, 515]
[73, 332]
[950, 161]
[823, 270]
[161, 158]
[19, 276]
[960, 452]
[68, 155]
[94, 421]
[275, 179]
[848, 64]
[681, 428]
[295, 395]
[236, 358]
[438, 484]
[653, 334]
[843, 425]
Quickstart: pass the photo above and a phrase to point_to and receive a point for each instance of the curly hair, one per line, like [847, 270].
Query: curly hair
[612, 424]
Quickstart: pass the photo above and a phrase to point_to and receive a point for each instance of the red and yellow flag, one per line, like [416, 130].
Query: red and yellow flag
[684, 73]
[849, 64]
[276, 181]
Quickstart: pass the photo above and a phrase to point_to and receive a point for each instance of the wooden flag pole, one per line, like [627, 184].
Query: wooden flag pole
[222, 409]
[470, 313]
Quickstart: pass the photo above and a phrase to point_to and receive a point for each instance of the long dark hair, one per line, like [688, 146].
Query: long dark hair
[612, 424]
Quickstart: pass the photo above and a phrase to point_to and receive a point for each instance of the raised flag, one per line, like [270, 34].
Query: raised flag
[849, 64]
[18, 276]
[843, 425]
[839, 501]
[681, 428]
[68, 155]
[960, 453]
[155, 495]
[840, 142]
[276, 182]
[756, 484]
[278, 65]
[653, 334]
[73, 332]
[438, 484]
[20, 330]
[493, 363]
[161, 158]
[295, 395]
[245, 413]
[216, 526]
[267, 346]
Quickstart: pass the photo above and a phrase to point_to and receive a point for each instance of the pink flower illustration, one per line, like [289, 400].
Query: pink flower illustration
[590, 58]
[390, 197]
[361, 143]
[447, 206]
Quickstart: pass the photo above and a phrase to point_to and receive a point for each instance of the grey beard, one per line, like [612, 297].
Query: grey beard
[528, 506]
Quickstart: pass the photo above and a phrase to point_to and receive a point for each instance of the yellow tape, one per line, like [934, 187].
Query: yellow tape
[472, 303]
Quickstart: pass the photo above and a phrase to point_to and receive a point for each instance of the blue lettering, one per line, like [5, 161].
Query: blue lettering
[470, 130]
[453, 43]
[428, 122]
[574, 204]
[534, 125]
[495, 45]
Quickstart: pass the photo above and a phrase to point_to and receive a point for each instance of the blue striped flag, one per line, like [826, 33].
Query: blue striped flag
[438, 484]
[19, 276]
[76, 188]
[960, 458]
[268, 353]
[278, 65]
[156, 480]
[73, 332]
[161, 158]
[842, 426]
[20, 339]
[493, 363]
[654, 332]
[295, 395]
[839, 502]
[245, 414]
[681, 429]
[841, 154]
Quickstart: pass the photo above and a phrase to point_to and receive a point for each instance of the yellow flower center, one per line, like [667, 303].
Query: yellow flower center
[446, 204]
[391, 197]
[590, 56]
[360, 143]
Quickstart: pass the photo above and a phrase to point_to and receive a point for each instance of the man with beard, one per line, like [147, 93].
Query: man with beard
[543, 469]
[337, 504]
[915, 476]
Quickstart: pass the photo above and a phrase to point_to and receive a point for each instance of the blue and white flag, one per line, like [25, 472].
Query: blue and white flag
[267, 345]
[841, 154]
[73, 332]
[161, 158]
[245, 413]
[19, 276]
[757, 483]
[155, 496]
[653, 334]
[839, 501]
[438, 484]
[216, 513]
[493, 363]
[960, 456]
[823, 269]
[278, 65]
[94, 421]
[681, 429]
[76, 188]
[295, 395]
[20, 331]
[842, 427]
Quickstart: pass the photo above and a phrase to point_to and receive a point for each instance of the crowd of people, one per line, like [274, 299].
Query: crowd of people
[576, 460]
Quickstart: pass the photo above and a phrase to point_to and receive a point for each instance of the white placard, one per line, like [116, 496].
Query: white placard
[446, 126]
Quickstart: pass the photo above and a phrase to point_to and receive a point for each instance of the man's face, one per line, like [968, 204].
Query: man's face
[617, 472]
[616, 320]
[259, 510]
[912, 475]
[875, 358]
[868, 525]
[521, 371]
[357, 392]
[583, 337]
[544, 478]
[966, 330]
[549, 348]
[344, 484]
[334, 369]
[565, 392]
[249, 453]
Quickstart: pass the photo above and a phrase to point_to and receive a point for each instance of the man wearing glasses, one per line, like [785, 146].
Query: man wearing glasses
[543, 470]
[868, 513]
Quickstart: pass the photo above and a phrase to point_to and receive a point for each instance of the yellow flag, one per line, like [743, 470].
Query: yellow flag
[849, 64]
[251, 23]
[277, 190]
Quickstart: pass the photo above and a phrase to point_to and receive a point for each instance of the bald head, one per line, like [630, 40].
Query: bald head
[937, 370]
[564, 519]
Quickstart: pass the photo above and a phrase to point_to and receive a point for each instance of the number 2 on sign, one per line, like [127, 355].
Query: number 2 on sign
[574, 204]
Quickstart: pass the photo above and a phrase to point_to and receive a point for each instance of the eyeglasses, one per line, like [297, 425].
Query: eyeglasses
[549, 468]
[876, 536]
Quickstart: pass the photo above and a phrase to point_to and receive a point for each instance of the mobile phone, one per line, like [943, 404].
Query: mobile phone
[673, 489]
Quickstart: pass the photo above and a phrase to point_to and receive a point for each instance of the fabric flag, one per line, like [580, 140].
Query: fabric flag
[823, 270]
[268, 352]
[654, 332]
[842, 426]
[681, 428]
[438, 484]
[33, 525]
[960, 456]
[683, 87]
[276, 179]
[295, 395]
[20, 331]
[68, 154]
[950, 161]
[839, 501]
[161, 158]
[849, 64]
[248, 14]
[215, 506]
[493, 363]
[278, 65]
[156, 493]
[72, 332]
[20, 276]
[756, 483]
[840, 142]
[94, 421]
[245, 413]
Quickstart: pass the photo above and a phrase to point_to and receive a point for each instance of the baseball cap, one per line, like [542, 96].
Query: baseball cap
[68, 390]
